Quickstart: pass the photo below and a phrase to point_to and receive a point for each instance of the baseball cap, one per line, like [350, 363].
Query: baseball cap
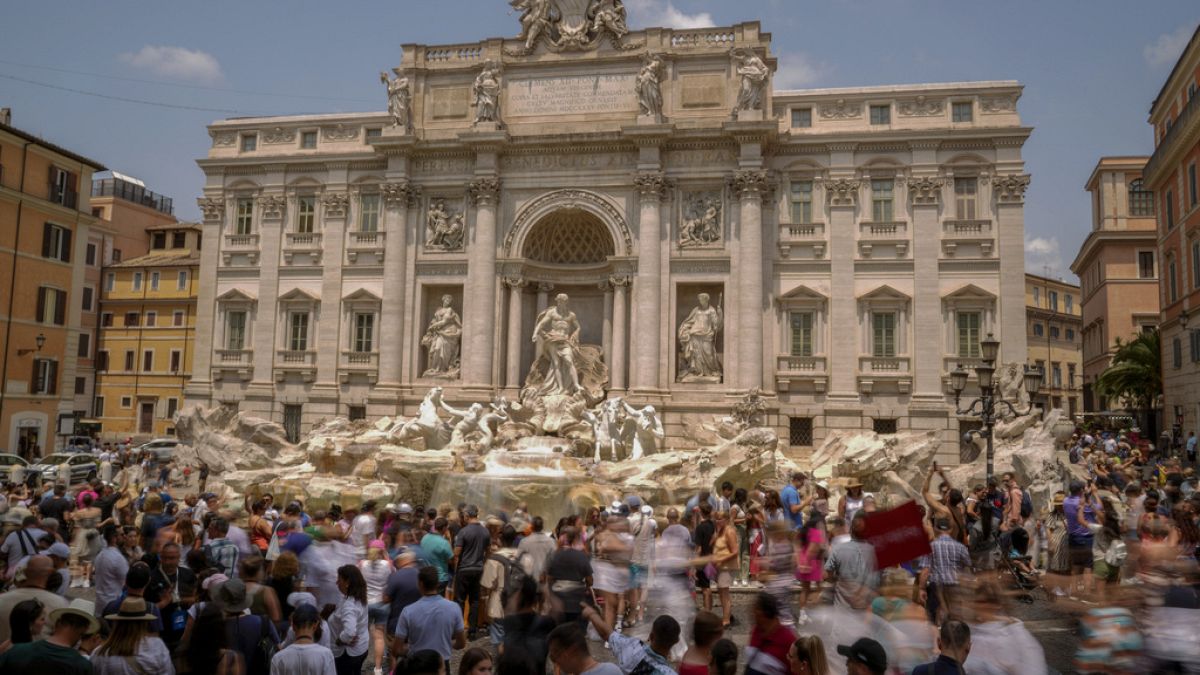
[867, 652]
[59, 550]
[942, 524]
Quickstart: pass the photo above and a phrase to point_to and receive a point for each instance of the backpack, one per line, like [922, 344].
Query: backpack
[264, 649]
[1075, 455]
[1026, 504]
[1116, 553]
[514, 575]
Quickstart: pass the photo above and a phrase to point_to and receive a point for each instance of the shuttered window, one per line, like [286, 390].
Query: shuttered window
[968, 334]
[883, 329]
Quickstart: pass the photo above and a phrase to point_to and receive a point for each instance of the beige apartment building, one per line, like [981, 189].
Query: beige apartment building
[1118, 268]
[1054, 315]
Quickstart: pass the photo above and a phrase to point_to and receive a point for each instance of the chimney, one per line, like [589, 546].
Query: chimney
[6, 116]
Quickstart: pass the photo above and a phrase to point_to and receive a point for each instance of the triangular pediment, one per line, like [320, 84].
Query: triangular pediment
[969, 292]
[803, 292]
[298, 295]
[884, 292]
[362, 295]
[236, 295]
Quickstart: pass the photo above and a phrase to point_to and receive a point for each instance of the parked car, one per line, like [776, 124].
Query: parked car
[163, 449]
[6, 464]
[83, 466]
[76, 444]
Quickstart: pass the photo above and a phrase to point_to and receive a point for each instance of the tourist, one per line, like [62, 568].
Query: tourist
[432, 622]
[304, 655]
[475, 661]
[610, 565]
[249, 633]
[471, 546]
[852, 503]
[770, 639]
[568, 576]
[263, 599]
[220, 551]
[349, 623]
[26, 621]
[260, 528]
[793, 500]
[172, 589]
[851, 566]
[643, 528]
[525, 626]
[207, 645]
[436, 545]
[362, 528]
[807, 657]
[285, 580]
[136, 581]
[631, 653]
[36, 573]
[56, 655]
[954, 645]
[19, 544]
[500, 568]
[864, 657]
[130, 647]
[1108, 550]
[376, 570]
[110, 566]
[810, 561]
[707, 628]
[778, 565]
[60, 556]
[703, 536]
[569, 652]
[940, 577]
[534, 549]
[725, 554]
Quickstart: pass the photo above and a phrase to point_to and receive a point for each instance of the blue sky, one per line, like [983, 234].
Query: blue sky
[1091, 70]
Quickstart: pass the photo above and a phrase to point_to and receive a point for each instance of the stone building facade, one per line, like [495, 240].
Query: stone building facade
[859, 242]
[1054, 311]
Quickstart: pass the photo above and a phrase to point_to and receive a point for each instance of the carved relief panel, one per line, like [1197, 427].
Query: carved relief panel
[701, 219]
[445, 225]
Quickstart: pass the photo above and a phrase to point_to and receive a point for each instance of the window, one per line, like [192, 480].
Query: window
[1196, 264]
[298, 331]
[965, 198]
[62, 187]
[1194, 345]
[182, 281]
[881, 114]
[98, 406]
[132, 319]
[102, 360]
[1172, 282]
[881, 200]
[244, 220]
[1177, 353]
[110, 282]
[151, 319]
[1039, 330]
[90, 256]
[802, 202]
[1070, 335]
[368, 216]
[375, 132]
[969, 324]
[357, 412]
[883, 332]
[1071, 375]
[155, 277]
[45, 377]
[364, 332]
[116, 255]
[56, 242]
[106, 320]
[1040, 365]
[177, 318]
[1170, 210]
[126, 401]
[179, 240]
[249, 142]
[1037, 296]
[89, 297]
[292, 414]
[1141, 200]
[1192, 183]
[801, 118]
[172, 406]
[1052, 300]
[52, 306]
[1054, 332]
[962, 111]
[1069, 303]
[235, 331]
[176, 360]
[884, 426]
[800, 432]
[158, 240]
[148, 361]
[306, 214]
[80, 386]
[137, 281]
[1145, 264]
[308, 140]
[85, 345]
[802, 333]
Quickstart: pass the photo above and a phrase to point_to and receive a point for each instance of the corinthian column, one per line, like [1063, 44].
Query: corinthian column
[651, 187]
[479, 305]
[616, 374]
[750, 185]
[199, 388]
[512, 379]
[397, 197]
[329, 343]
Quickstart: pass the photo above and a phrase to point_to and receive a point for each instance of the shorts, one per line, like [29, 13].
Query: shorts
[1080, 551]
[378, 612]
[638, 575]
[725, 579]
[1105, 572]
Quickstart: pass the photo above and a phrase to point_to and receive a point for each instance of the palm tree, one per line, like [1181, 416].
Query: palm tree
[1135, 374]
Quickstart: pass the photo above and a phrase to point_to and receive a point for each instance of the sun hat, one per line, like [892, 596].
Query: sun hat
[131, 609]
[79, 607]
[232, 597]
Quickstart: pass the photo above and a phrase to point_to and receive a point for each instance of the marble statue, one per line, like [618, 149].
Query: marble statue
[399, 99]
[441, 340]
[487, 94]
[426, 425]
[753, 73]
[701, 221]
[608, 15]
[649, 87]
[465, 423]
[750, 411]
[698, 342]
[443, 230]
[556, 334]
[535, 20]
[646, 430]
[606, 426]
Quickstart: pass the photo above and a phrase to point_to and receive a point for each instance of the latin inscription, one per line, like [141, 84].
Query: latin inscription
[449, 102]
[580, 161]
[703, 90]
[570, 95]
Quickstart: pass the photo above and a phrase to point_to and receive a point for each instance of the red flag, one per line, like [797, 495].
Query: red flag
[897, 535]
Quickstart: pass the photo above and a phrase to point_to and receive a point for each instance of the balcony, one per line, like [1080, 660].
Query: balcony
[365, 242]
[303, 243]
[236, 361]
[972, 232]
[802, 234]
[894, 371]
[246, 244]
[359, 363]
[303, 362]
[886, 233]
[132, 192]
[800, 370]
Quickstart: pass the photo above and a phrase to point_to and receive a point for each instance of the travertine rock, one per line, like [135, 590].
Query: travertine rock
[227, 440]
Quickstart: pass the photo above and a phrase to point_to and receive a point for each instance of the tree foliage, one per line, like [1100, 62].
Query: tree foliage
[1135, 375]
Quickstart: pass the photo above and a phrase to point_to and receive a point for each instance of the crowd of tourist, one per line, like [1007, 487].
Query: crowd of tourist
[137, 576]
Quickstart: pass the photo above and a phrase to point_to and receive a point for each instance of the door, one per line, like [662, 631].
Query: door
[291, 422]
[28, 446]
[146, 418]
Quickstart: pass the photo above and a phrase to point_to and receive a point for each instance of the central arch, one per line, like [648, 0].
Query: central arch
[569, 221]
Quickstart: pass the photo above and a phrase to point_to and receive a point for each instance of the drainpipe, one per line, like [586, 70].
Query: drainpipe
[12, 283]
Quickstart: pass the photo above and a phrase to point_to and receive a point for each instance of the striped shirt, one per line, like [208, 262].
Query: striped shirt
[947, 559]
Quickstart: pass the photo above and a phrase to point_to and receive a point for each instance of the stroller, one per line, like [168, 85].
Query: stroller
[1014, 567]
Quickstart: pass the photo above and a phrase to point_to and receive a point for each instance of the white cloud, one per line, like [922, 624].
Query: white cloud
[176, 62]
[1042, 253]
[797, 71]
[664, 14]
[1167, 48]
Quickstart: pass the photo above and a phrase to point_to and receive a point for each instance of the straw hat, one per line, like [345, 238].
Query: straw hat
[132, 609]
[79, 607]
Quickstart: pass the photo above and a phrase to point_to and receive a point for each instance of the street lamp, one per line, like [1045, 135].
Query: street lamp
[41, 342]
[984, 407]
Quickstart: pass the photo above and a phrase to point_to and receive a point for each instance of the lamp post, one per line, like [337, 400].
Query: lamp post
[985, 406]
[41, 342]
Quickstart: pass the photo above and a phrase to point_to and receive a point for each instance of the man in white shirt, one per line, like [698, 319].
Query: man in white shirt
[362, 529]
[110, 567]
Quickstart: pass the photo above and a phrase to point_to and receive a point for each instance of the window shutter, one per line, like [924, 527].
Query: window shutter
[60, 308]
[66, 246]
[41, 304]
[47, 236]
[52, 377]
[34, 384]
[51, 180]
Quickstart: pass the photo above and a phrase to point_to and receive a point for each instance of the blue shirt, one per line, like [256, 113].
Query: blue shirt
[430, 623]
[790, 496]
[438, 552]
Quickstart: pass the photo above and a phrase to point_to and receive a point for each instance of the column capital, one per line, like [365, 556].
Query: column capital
[515, 283]
[619, 280]
[926, 190]
[271, 205]
[750, 184]
[400, 194]
[213, 209]
[545, 287]
[1010, 189]
[652, 185]
[842, 191]
[484, 191]
[336, 204]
